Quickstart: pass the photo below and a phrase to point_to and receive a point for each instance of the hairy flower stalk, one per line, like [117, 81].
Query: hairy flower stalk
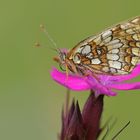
[85, 124]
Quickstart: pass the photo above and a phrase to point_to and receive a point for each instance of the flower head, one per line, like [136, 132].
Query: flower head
[104, 85]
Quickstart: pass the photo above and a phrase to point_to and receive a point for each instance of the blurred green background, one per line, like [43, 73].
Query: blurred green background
[30, 102]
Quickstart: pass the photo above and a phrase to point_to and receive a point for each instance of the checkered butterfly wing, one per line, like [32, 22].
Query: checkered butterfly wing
[115, 51]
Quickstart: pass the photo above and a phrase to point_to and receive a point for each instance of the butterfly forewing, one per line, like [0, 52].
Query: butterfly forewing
[115, 51]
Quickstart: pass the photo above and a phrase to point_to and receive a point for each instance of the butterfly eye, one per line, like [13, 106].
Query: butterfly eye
[62, 56]
[62, 67]
[77, 59]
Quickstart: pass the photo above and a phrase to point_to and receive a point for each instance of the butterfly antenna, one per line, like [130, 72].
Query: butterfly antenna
[42, 27]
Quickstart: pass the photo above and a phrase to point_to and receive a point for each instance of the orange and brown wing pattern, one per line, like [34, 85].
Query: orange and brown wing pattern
[115, 51]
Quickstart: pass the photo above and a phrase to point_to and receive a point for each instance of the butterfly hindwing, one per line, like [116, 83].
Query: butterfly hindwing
[115, 51]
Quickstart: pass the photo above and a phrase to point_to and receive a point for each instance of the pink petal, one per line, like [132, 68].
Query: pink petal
[99, 88]
[126, 86]
[133, 74]
[80, 83]
[72, 82]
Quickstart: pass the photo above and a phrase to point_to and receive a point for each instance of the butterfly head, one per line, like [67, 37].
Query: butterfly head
[62, 59]
[65, 63]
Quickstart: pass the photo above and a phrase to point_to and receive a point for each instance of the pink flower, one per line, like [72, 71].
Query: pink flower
[105, 85]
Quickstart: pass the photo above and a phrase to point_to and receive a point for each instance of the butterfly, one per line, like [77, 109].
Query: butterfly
[115, 51]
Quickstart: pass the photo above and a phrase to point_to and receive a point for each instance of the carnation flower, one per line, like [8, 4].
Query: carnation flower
[105, 85]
